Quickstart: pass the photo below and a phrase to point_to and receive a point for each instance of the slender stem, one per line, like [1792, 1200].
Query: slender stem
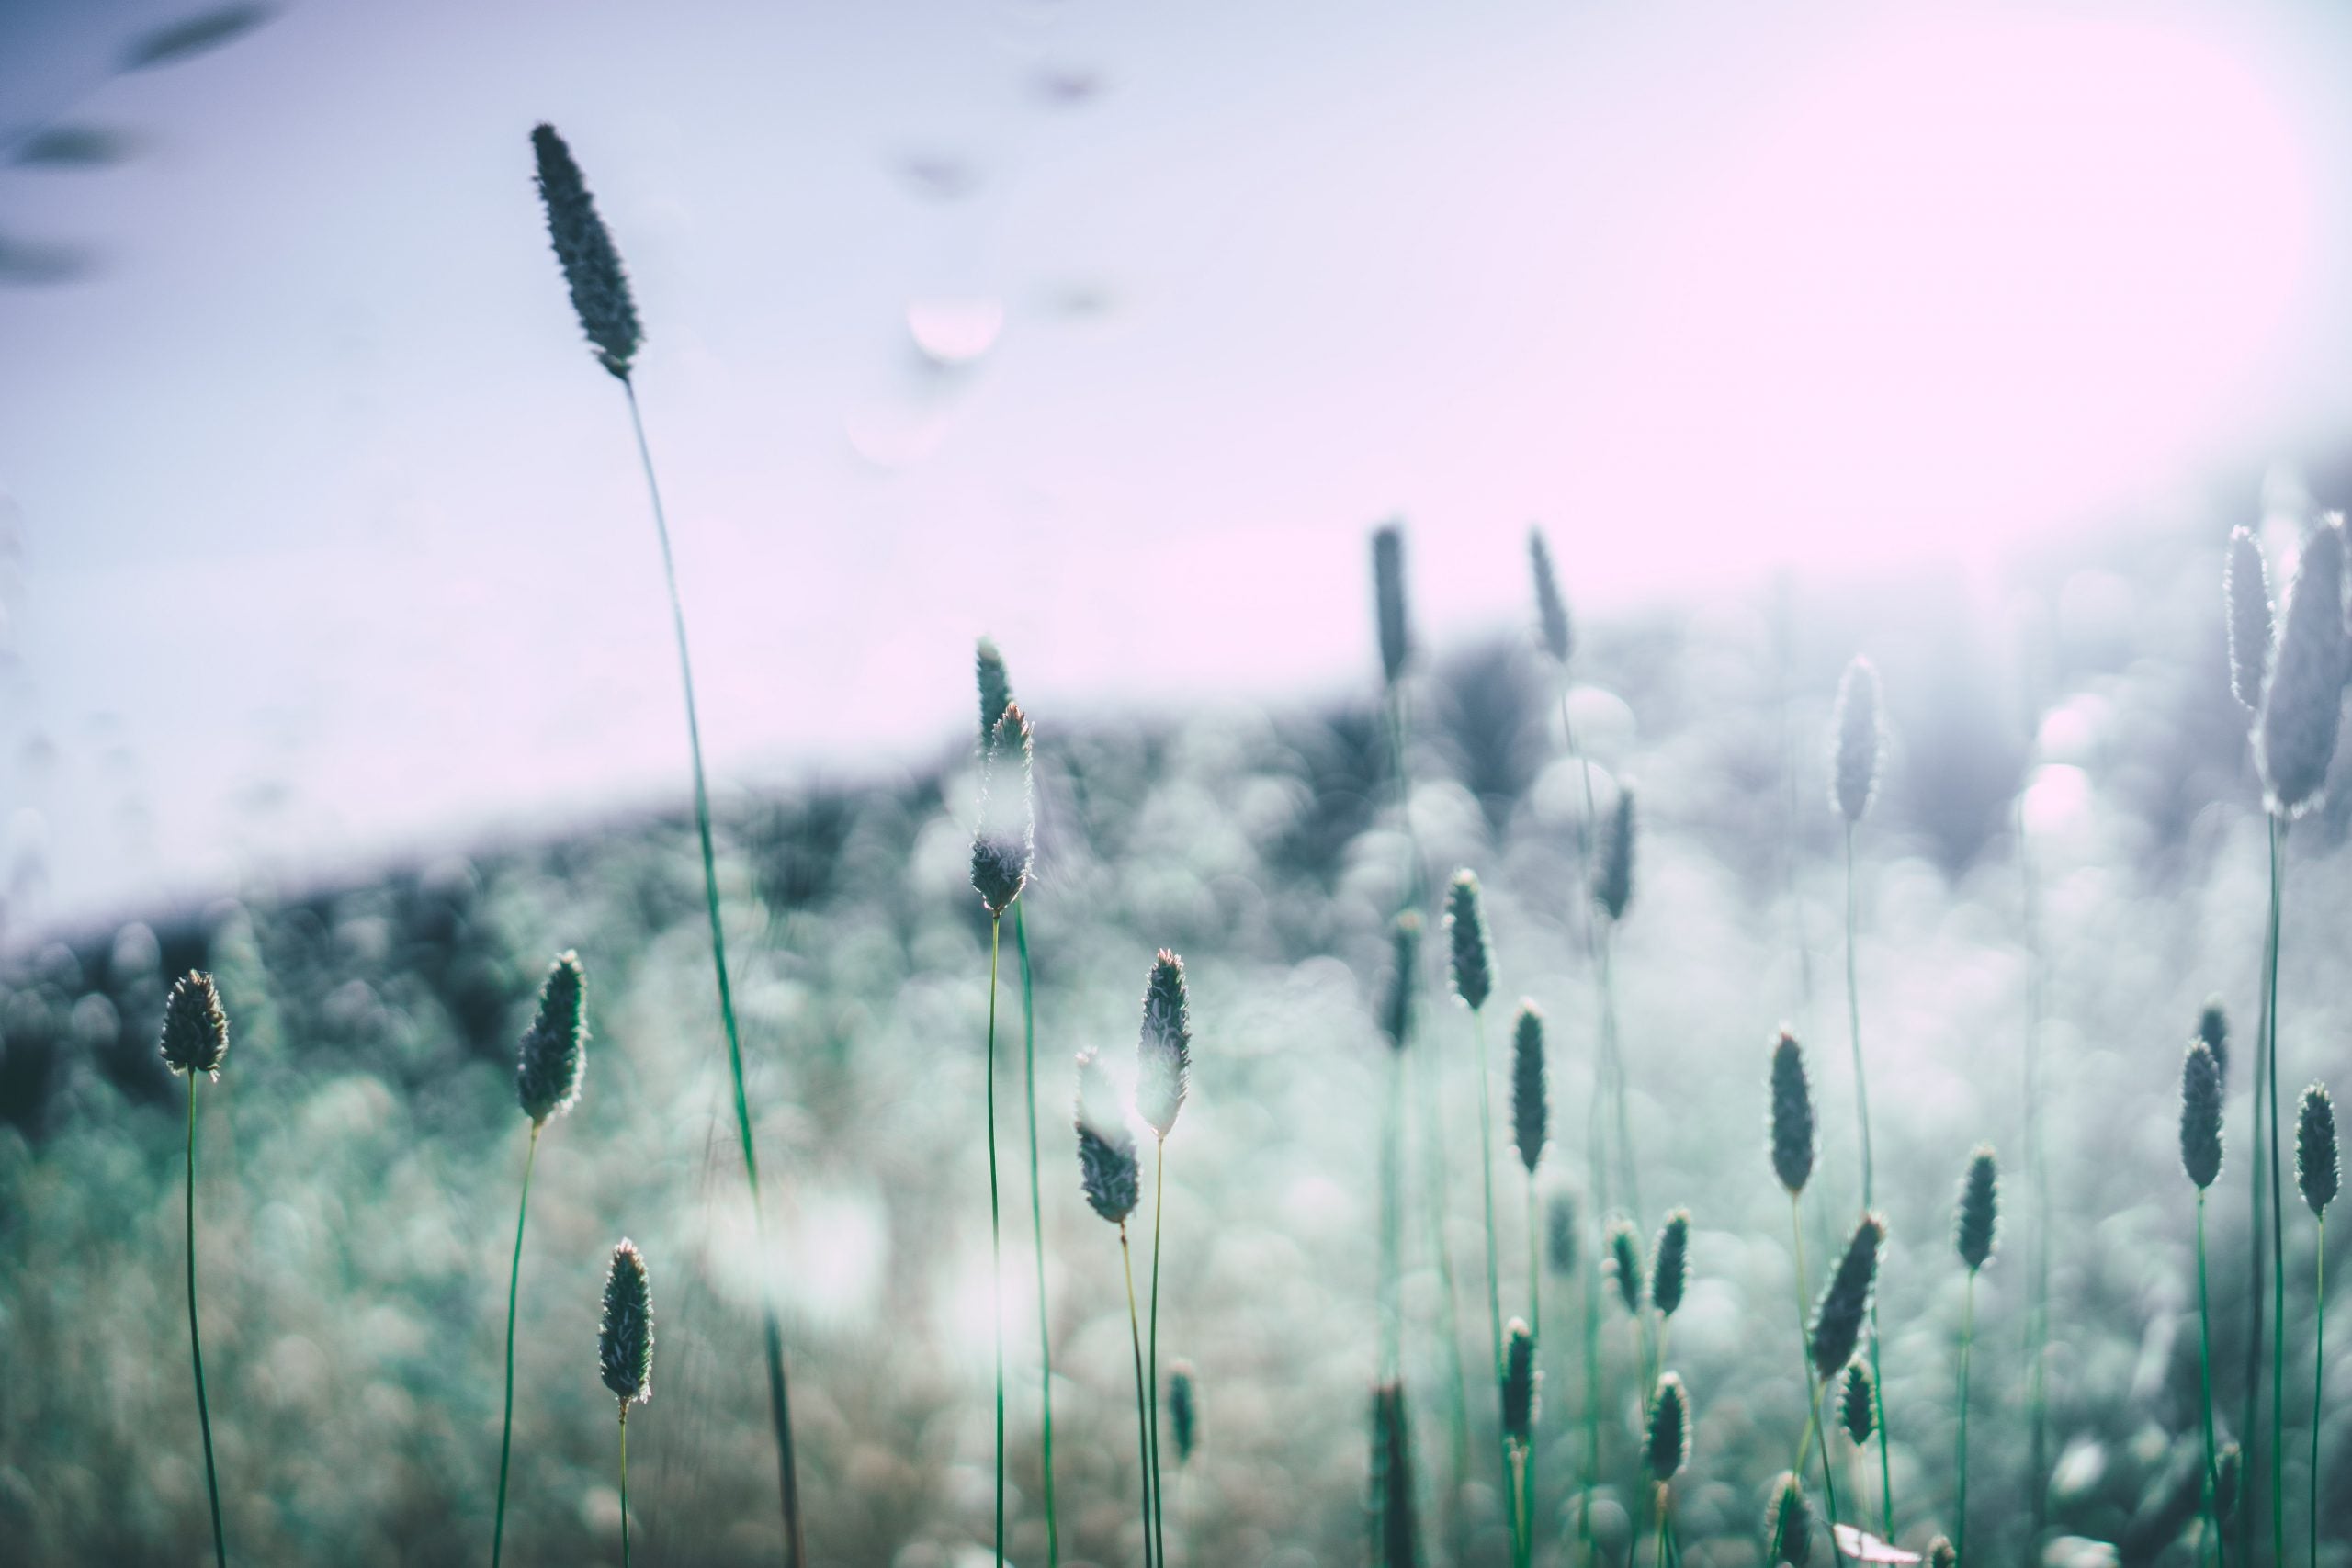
[1038, 1223]
[1391, 1219]
[513, 1281]
[2319, 1373]
[1664, 1499]
[2205, 1372]
[1535, 1329]
[1828, 1474]
[1143, 1417]
[996, 1237]
[2037, 1178]
[1522, 1521]
[1159, 1498]
[1494, 1279]
[2277, 1217]
[2259, 1232]
[1967, 1342]
[1862, 1114]
[1614, 1055]
[196, 1342]
[1591, 1272]
[772, 1333]
[624, 1484]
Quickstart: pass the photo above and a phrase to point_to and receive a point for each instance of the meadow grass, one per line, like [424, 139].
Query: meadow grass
[625, 1351]
[195, 1040]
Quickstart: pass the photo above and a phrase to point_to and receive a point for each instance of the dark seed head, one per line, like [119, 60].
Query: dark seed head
[1612, 865]
[1006, 839]
[1846, 1300]
[1551, 610]
[1528, 1109]
[2200, 1115]
[2245, 586]
[1625, 1262]
[1183, 1414]
[592, 268]
[1793, 1125]
[2303, 699]
[1397, 1007]
[1107, 1168]
[2315, 1169]
[1519, 1383]
[1670, 1262]
[1465, 928]
[625, 1339]
[1941, 1553]
[1668, 1445]
[1977, 1215]
[1388, 600]
[196, 1031]
[1560, 1233]
[1858, 1402]
[1164, 1051]
[996, 688]
[1789, 1522]
[1857, 741]
[547, 1062]
[2229, 1475]
[2214, 1027]
[1396, 1537]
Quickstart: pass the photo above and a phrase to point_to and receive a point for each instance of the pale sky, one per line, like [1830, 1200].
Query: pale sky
[332, 542]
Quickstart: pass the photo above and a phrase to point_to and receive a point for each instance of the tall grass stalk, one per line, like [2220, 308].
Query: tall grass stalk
[514, 1285]
[2205, 1377]
[2316, 1173]
[2037, 1184]
[2200, 1159]
[2278, 1204]
[1110, 1173]
[1974, 1228]
[625, 1351]
[996, 1241]
[1143, 1396]
[195, 1040]
[1037, 1227]
[196, 1342]
[1473, 970]
[1163, 1070]
[1863, 1113]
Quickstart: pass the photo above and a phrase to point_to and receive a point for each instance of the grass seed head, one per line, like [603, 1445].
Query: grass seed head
[1388, 599]
[1164, 1050]
[996, 688]
[1612, 865]
[1404, 957]
[2214, 1027]
[1788, 1521]
[1625, 1262]
[1465, 928]
[1006, 840]
[1793, 1134]
[1551, 610]
[2229, 1479]
[1397, 1537]
[2303, 699]
[1858, 1402]
[196, 1031]
[2200, 1115]
[1667, 1447]
[1530, 1106]
[2315, 1168]
[1670, 1262]
[2245, 586]
[1978, 1213]
[1846, 1300]
[1941, 1553]
[1520, 1383]
[1560, 1233]
[592, 268]
[548, 1059]
[1857, 741]
[625, 1339]
[1107, 1168]
[1183, 1411]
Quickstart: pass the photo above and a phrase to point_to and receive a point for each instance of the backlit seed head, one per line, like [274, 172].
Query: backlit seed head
[1107, 1168]
[1670, 1262]
[2315, 1168]
[1788, 1521]
[1183, 1414]
[1858, 1402]
[1667, 1447]
[1396, 1540]
[1551, 610]
[1794, 1138]
[1520, 1380]
[1006, 840]
[1560, 1233]
[548, 1059]
[1857, 741]
[1625, 1262]
[1612, 865]
[1530, 1111]
[1846, 1300]
[196, 1031]
[592, 268]
[1465, 928]
[1396, 1007]
[1941, 1553]
[2303, 700]
[625, 1339]
[2229, 1477]
[2245, 588]
[1977, 1214]
[996, 688]
[2214, 1027]
[1164, 1050]
[2200, 1115]
[1388, 600]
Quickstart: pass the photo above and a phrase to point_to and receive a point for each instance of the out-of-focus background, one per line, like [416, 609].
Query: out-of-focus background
[335, 659]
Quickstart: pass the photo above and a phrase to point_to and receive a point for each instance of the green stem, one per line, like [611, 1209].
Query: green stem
[1862, 1113]
[1591, 1272]
[1534, 1328]
[1037, 1224]
[1494, 1278]
[2277, 1216]
[2037, 1178]
[1967, 1342]
[513, 1281]
[1522, 1549]
[196, 1342]
[624, 1484]
[1391, 1219]
[996, 1237]
[1804, 1363]
[1828, 1475]
[2205, 1372]
[771, 1331]
[2319, 1373]
[1614, 1055]
[1159, 1499]
[1143, 1417]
